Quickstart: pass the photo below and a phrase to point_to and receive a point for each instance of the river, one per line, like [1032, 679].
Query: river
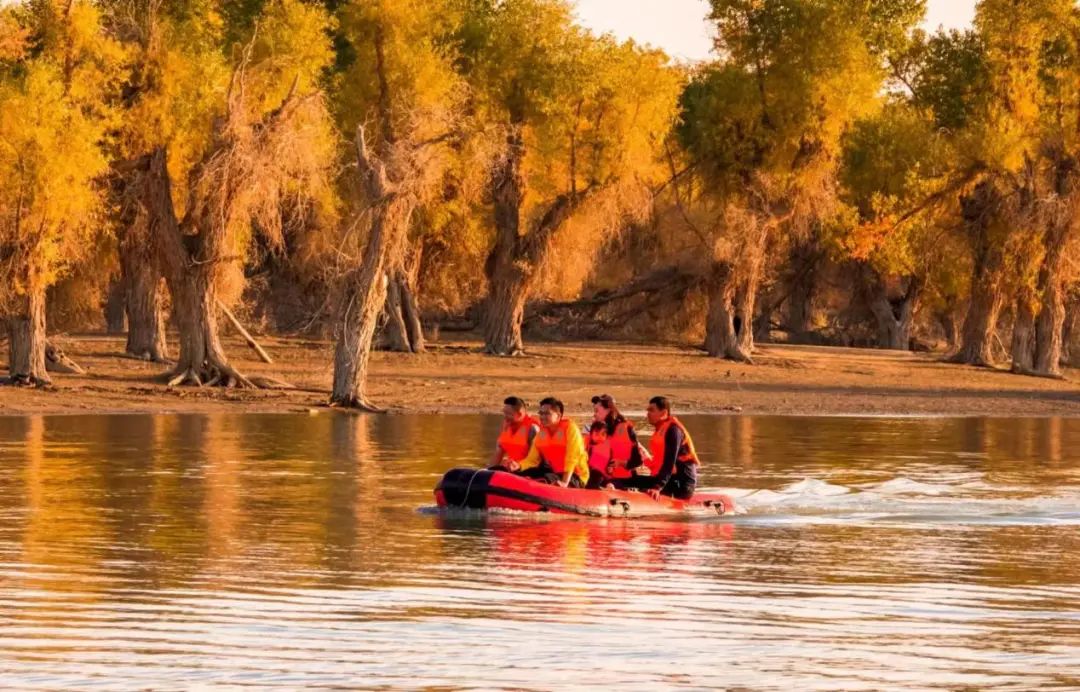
[304, 551]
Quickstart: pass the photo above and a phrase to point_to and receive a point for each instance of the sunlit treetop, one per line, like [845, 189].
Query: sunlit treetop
[1015, 38]
[53, 123]
[792, 75]
[523, 55]
[398, 68]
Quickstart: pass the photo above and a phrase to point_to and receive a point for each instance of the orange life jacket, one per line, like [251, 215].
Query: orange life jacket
[514, 438]
[552, 445]
[687, 453]
[617, 448]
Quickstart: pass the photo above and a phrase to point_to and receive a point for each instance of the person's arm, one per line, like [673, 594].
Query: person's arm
[497, 456]
[577, 461]
[673, 441]
[635, 460]
[532, 459]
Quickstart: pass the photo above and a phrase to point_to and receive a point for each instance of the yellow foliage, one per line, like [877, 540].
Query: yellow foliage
[13, 37]
[50, 157]
[290, 45]
[399, 40]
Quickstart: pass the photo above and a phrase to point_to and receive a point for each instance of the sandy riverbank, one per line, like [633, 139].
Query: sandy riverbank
[454, 377]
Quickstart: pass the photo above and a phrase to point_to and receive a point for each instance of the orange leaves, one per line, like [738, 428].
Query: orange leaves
[866, 238]
[14, 39]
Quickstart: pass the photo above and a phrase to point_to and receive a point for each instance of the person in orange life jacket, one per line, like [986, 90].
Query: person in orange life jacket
[516, 437]
[612, 444]
[675, 461]
[558, 454]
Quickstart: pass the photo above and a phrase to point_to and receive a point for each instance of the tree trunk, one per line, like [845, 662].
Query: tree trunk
[403, 329]
[1070, 354]
[202, 360]
[891, 335]
[146, 322]
[895, 318]
[410, 305]
[1050, 323]
[361, 302]
[802, 282]
[364, 291]
[515, 259]
[191, 262]
[977, 334]
[508, 278]
[763, 319]
[26, 342]
[115, 307]
[397, 333]
[947, 319]
[744, 314]
[1023, 341]
[722, 340]
[504, 314]
[1043, 318]
[137, 292]
[1049, 332]
[981, 211]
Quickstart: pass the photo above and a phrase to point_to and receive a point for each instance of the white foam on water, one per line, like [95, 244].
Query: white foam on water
[904, 501]
[906, 486]
[812, 487]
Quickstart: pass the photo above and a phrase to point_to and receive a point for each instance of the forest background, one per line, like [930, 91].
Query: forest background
[380, 173]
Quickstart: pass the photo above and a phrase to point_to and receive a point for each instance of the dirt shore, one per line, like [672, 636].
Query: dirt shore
[455, 378]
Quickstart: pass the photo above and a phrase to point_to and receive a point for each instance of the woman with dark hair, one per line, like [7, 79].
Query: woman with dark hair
[612, 444]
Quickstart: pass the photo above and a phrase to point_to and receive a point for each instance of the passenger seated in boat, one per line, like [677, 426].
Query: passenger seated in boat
[516, 438]
[558, 453]
[612, 444]
[674, 461]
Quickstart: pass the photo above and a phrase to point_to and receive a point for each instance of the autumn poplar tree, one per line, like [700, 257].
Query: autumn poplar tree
[56, 69]
[400, 94]
[999, 151]
[579, 121]
[763, 126]
[233, 136]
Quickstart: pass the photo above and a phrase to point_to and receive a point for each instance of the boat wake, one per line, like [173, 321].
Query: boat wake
[906, 501]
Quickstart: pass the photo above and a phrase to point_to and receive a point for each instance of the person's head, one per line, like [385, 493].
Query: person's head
[551, 411]
[514, 409]
[606, 411]
[659, 409]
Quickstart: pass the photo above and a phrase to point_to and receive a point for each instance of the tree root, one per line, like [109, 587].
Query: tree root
[26, 381]
[1030, 372]
[740, 357]
[221, 375]
[491, 351]
[355, 403]
[149, 357]
[734, 354]
[962, 358]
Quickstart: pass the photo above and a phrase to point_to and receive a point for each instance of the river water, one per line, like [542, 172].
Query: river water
[303, 551]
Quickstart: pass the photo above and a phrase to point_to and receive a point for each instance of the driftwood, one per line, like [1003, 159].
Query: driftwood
[57, 361]
[263, 355]
[613, 308]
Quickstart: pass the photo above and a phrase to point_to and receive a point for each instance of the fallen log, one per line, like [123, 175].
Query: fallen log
[674, 281]
[263, 355]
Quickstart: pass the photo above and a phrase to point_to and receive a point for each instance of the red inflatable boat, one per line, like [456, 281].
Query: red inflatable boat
[473, 489]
